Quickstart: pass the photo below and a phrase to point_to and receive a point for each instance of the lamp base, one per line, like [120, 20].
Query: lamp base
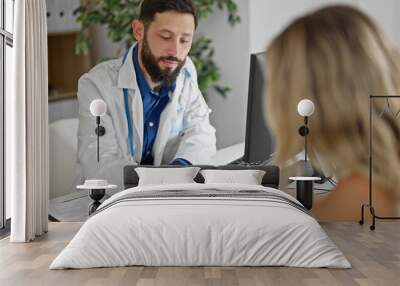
[96, 195]
[304, 193]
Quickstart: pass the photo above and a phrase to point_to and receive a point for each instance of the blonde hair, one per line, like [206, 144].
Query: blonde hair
[336, 57]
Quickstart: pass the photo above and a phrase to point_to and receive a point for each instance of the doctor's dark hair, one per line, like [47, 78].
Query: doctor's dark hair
[149, 8]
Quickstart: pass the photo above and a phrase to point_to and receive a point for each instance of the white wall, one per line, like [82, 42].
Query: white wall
[261, 21]
[386, 13]
[269, 17]
[232, 54]
[102, 48]
[63, 109]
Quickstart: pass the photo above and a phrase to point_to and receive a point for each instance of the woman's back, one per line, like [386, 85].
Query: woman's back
[337, 57]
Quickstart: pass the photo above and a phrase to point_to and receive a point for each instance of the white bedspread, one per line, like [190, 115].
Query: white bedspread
[200, 231]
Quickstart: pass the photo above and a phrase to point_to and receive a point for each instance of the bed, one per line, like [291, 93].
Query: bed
[201, 224]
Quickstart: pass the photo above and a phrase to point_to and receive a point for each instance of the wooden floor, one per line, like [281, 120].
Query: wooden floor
[375, 257]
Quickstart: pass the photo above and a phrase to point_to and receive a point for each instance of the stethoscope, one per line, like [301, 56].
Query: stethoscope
[128, 115]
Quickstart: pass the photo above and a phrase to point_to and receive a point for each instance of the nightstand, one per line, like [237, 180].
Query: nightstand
[304, 190]
[97, 190]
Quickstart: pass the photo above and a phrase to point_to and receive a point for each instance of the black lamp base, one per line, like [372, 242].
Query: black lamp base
[96, 195]
[304, 193]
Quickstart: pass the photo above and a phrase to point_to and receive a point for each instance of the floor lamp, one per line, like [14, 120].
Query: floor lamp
[370, 203]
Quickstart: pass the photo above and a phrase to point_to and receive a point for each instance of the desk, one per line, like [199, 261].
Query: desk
[228, 154]
[72, 207]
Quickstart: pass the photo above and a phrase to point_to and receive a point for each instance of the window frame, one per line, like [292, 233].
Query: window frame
[6, 39]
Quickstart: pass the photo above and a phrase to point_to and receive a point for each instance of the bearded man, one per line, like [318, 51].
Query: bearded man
[156, 113]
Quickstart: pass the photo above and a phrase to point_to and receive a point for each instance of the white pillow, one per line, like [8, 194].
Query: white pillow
[162, 176]
[248, 177]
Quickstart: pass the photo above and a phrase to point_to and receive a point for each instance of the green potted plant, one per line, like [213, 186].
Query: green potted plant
[117, 16]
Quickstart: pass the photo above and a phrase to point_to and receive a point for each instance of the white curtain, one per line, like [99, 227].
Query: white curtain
[27, 173]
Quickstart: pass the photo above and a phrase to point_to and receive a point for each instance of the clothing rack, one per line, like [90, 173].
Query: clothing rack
[370, 205]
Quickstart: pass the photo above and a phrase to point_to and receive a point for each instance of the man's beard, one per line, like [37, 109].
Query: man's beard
[158, 75]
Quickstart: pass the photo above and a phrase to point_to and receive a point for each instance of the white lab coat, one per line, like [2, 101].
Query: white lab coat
[184, 131]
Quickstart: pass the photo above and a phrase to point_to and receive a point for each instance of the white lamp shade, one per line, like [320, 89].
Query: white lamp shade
[305, 107]
[98, 107]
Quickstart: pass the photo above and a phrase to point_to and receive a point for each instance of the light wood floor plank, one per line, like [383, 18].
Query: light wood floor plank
[375, 257]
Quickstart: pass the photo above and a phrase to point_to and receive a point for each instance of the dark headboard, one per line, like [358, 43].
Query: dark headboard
[270, 179]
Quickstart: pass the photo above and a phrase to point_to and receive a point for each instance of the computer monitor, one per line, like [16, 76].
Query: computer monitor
[259, 144]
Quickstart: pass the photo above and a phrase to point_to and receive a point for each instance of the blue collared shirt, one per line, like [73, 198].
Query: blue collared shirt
[154, 102]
